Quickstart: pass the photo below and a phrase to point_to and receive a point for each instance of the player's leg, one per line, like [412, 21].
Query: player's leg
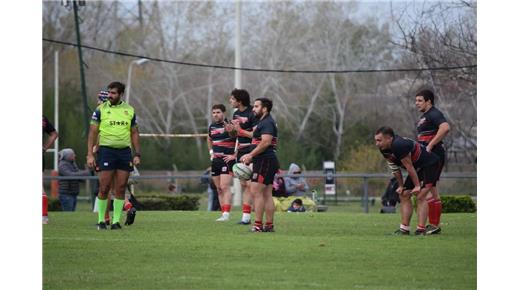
[226, 180]
[119, 200]
[269, 208]
[257, 190]
[422, 210]
[109, 197]
[246, 202]
[105, 179]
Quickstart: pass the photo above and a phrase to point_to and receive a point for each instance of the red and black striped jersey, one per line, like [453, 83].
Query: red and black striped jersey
[428, 125]
[268, 126]
[247, 121]
[401, 147]
[222, 143]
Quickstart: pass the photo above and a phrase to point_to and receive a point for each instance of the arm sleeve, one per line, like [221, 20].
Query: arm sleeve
[96, 117]
[133, 123]
[402, 148]
[267, 128]
[438, 118]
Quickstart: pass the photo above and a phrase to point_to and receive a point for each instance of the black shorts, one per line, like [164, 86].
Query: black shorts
[427, 177]
[114, 159]
[264, 170]
[441, 152]
[242, 152]
[219, 167]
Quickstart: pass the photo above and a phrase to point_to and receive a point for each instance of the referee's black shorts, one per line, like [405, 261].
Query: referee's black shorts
[264, 169]
[109, 158]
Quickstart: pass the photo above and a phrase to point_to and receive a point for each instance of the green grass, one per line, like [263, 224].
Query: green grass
[189, 250]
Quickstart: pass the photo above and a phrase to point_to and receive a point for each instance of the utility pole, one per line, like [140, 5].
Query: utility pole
[81, 70]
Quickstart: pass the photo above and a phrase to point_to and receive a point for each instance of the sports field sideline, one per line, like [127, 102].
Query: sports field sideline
[189, 250]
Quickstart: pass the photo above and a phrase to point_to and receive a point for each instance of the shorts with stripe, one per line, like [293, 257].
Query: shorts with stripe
[219, 167]
[264, 170]
[427, 177]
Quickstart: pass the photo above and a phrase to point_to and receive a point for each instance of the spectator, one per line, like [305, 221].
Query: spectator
[296, 186]
[296, 206]
[213, 203]
[69, 189]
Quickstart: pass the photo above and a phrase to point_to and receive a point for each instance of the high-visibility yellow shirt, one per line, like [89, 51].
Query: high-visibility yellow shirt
[115, 124]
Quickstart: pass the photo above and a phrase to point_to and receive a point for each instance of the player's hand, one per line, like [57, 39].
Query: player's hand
[399, 190]
[229, 127]
[246, 159]
[228, 158]
[429, 148]
[416, 190]
[91, 162]
[137, 160]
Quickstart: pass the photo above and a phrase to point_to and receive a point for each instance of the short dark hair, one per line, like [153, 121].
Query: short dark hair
[241, 96]
[385, 131]
[117, 85]
[298, 201]
[427, 95]
[219, 107]
[267, 103]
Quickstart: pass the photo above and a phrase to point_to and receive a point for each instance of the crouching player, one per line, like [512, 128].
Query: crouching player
[422, 173]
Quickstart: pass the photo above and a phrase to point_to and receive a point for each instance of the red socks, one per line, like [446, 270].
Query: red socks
[246, 208]
[226, 208]
[434, 211]
[45, 204]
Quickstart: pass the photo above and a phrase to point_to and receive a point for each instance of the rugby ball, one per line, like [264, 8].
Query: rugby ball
[242, 171]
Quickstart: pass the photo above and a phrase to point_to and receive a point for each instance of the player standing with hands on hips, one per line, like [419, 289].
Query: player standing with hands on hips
[114, 122]
[265, 164]
[432, 127]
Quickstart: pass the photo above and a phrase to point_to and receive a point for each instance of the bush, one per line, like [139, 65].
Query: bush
[165, 202]
[454, 203]
[461, 203]
[54, 204]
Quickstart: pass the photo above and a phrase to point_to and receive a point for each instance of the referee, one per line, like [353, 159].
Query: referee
[114, 123]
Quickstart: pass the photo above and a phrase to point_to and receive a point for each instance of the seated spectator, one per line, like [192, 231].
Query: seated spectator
[279, 185]
[296, 186]
[296, 206]
[69, 189]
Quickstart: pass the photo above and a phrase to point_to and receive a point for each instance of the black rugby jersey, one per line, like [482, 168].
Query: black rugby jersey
[265, 126]
[222, 143]
[428, 125]
[247, 121]
[401, 147]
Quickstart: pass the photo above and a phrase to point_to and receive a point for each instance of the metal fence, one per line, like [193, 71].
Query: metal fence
[364, 188]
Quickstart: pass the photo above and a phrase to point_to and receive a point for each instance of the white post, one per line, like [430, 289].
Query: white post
[129, 79]
[237, 189]
[238, 47]
[128, 82]
[56, 107]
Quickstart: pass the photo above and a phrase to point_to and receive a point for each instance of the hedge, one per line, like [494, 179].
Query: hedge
[458, 203]
[157, 202]
[165, 202]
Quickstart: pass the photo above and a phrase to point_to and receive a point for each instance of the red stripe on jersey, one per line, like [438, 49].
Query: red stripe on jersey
[425, 138]
[416, 153]
[274, 141]
[227, 144]
[243, 145]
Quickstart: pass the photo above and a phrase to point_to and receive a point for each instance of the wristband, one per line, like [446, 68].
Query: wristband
[211, 152]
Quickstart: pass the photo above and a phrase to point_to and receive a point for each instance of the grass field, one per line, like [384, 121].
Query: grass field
[189, 250]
